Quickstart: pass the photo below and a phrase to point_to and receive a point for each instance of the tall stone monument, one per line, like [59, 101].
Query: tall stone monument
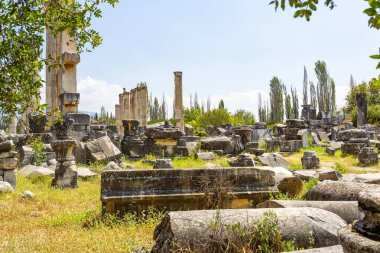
[61, 83]
[361, 102]
[178, 100]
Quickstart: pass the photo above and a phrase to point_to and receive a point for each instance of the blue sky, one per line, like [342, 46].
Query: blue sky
[226, 49]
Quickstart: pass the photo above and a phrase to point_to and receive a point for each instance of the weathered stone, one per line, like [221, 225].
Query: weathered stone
[10, 154]
[244, 132]
[6, 187]
[352, 148]
[52, 162]
[361, 102]
[305, 175]
[85, 173]
[6, 146]
[191, 229]
[205, 156]
[27, 195]
[8, 163]
[303, 135]
[353, 242]
[347, 210]
[310, 160]
[315, 138]
[111, 166]
[323, 136]
[348, 177]
[184, 189]
[217, 143]
[80, 153]
[338, 191]
[278, 170]
[330, 151]
[290, 145]
[327, 174]
[211, 166]
[163, 133]
[368, 157]
[64, 150]
[336, 144]
[273, 160]
[242, 160]
[289, 185]
[65, 175]
[163, 164]
[346, 135]
[296, 123]
[63, 129]
[367, 178]
[10, 177]
[331, 249]
[102, 149]
[124, 165]
[249, 145]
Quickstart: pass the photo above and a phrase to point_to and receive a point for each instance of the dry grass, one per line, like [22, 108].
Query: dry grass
[58, 220]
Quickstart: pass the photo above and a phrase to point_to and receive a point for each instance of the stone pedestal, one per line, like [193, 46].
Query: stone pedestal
[132, 144]
[65, 173]
[310, 160]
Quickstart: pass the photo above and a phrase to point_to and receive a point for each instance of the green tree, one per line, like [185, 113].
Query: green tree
[22, 31]
[288, 106]
[242, 117]
[215, 117]
[372, 91]
[276, 100]
[221, 104]
[295, 103]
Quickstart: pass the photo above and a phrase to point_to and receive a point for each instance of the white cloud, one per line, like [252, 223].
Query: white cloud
[95, 93]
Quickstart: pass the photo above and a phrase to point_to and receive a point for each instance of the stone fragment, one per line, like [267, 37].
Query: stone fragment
[357, 243]
[211, 166]
[330, 151]
[205, 156]
[331, 249]
[338, 191]
[278, 170]
[10, 154]
[273, 160]
[368, 157]
[310, 160]
[192, 228]
[80, 153]
[315, 138]
[242, 160]
[218, 143]
[27, 194]
[111, 166]
[367, 178]
[290, 145]
[10, 177]
[6, 146]
[8, 163]
[327, 174]
[124, 165]
[352, 133]
[6, 187]
[85, 173]
[305, 175]
[289, 185]
[66, 175]
[323, 136]
[347, 210]
[163, 164]
[52, 162]
[102, 149]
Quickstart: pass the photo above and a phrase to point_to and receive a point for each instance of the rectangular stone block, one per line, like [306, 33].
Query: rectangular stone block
[8, 163]
[182, 189]
[290, 145]
[10, 154]
[10, 177]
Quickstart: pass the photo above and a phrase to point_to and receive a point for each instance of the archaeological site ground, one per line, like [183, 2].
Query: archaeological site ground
[292, 171]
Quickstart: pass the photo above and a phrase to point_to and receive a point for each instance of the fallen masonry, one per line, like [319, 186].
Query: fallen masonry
[185, 189]
[193, 230]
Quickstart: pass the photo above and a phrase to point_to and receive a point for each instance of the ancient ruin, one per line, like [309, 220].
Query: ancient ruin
[133, 105]
[178, 101]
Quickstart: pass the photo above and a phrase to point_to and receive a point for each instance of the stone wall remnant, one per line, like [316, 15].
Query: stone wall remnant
[133, 105]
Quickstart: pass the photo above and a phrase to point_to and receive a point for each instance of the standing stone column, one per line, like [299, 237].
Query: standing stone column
[178, 100]
[65, 172]
[61, 84]
[361, 102]
[12, 129]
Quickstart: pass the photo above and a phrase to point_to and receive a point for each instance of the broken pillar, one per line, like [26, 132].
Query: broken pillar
[178, 100]
[361, 102]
